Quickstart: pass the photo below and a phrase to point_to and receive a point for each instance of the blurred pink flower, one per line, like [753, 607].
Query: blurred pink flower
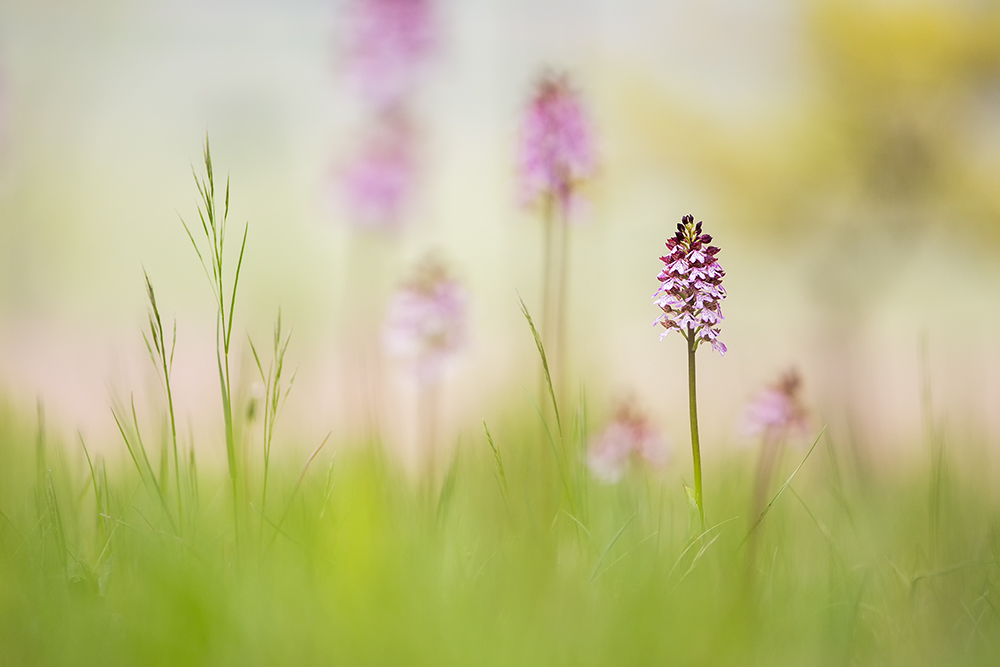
[556, 150]
[777, 410]
[691, 291]
[378, 182]
[388, 42]
[626, 441]
[425, 323]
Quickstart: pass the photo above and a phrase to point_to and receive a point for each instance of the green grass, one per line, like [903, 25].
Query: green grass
[369, 567]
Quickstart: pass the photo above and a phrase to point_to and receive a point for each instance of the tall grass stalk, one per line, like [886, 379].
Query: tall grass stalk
[93, 479]
[213, 227]
[501, 474]
[132, 435]
[562, 456]
[275, 394]
[164, 363]
[55, 520]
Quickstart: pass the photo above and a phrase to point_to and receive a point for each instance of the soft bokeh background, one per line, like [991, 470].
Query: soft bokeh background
[845, 154]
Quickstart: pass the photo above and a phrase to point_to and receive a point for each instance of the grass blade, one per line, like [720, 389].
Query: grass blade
[498, 462]
[597, 565]
[781, 490]
[545, 367]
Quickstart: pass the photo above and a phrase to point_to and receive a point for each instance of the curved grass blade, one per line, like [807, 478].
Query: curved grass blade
[597, 566]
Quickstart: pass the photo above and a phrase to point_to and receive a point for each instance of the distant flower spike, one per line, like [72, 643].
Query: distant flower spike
[777, 411]
[388, 44]
[425, 322]
[556, 151]
[380, 179]
[630, 439]
[691, 291]
[774, 414]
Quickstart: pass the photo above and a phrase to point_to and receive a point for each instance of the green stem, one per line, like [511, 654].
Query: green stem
[230, 439]
[173, 436]
[695, 443]
[548, 224]
[428, 435]
[267, 462]
[561, 303]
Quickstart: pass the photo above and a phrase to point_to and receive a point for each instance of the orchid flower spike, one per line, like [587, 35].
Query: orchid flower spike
[691, 291]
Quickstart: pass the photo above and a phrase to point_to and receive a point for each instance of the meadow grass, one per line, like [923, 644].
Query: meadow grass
[359, 564]
[517, 557]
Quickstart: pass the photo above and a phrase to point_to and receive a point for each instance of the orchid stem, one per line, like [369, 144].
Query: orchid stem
[692, 344]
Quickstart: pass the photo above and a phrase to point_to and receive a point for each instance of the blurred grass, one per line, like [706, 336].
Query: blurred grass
[372, 567]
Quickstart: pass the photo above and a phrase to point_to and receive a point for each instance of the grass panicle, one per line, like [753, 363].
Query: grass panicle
[224, 290]
[501, 474]
[275, 394]
[163, 361]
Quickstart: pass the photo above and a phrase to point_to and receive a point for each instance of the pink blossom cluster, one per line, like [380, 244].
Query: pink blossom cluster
[777, 411]
[388, 44]
[556, 149]
[691, 291]
[379, 179]
[627, 441]
[426, 321]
